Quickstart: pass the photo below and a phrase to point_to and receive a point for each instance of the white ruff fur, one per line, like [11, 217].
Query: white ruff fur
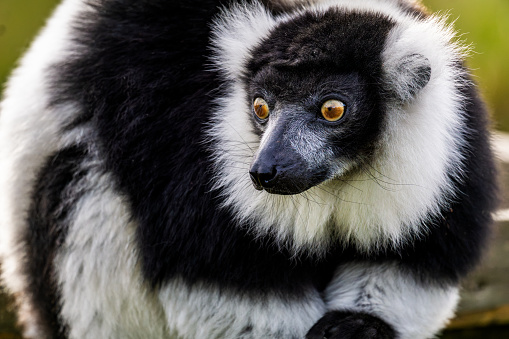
[408, 181]
[414, 310]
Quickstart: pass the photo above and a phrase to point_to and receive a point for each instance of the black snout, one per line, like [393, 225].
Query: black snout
[279, 169]
[280, 172]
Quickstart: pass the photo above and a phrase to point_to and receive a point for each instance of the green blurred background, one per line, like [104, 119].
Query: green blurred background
[484, 24]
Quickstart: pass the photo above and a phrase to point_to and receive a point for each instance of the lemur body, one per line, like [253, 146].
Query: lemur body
[167, 171]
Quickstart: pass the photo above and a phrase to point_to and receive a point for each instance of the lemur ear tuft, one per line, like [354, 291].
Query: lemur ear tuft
[407, 76]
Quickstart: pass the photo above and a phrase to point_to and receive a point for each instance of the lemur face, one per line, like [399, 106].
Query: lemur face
[318, 104]
[314, 125]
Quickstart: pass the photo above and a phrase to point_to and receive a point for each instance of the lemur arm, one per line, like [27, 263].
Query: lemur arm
[370, 300]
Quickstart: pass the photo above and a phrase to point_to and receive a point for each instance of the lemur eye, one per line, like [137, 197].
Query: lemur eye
[333, 110]
[261, 108]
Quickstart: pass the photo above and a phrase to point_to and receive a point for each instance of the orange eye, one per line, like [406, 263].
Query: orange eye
[261, 108]
[333, 110]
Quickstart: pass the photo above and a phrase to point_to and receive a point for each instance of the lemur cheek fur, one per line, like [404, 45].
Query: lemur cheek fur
[242, 170]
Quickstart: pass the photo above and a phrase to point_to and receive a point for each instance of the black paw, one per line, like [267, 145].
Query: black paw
[346, 325]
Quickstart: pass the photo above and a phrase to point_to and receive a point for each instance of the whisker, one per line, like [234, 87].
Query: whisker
[322, 188]
[393, 183]
[241, 137]
[349, 183]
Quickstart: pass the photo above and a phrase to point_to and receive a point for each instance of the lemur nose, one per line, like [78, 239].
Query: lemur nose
[263, 176]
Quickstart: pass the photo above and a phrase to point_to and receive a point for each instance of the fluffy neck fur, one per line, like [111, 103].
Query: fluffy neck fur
[406, 184]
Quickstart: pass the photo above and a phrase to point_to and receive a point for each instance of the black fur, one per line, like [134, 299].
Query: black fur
[359, 39]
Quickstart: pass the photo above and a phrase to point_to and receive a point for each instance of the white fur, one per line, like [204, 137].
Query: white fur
[415, 310]
[235, 32]
[408, 181]
[28, 134]
[98, 268]
[207, 311]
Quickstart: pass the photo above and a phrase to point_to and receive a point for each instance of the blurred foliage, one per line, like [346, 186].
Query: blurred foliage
[19, 22]
[484, 24]
[493, 332]
[8, 328]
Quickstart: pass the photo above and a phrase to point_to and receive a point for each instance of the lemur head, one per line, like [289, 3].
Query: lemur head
[319, 99]
[341, 120]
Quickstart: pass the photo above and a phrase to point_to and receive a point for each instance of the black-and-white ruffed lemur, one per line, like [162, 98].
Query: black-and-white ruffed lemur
[242, 170]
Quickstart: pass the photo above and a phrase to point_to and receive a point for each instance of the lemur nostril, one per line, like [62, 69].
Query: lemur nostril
[267, 178]
[263, 177]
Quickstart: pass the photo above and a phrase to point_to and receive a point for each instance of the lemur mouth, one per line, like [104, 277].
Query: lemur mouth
[283, 187]
[282, 192]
